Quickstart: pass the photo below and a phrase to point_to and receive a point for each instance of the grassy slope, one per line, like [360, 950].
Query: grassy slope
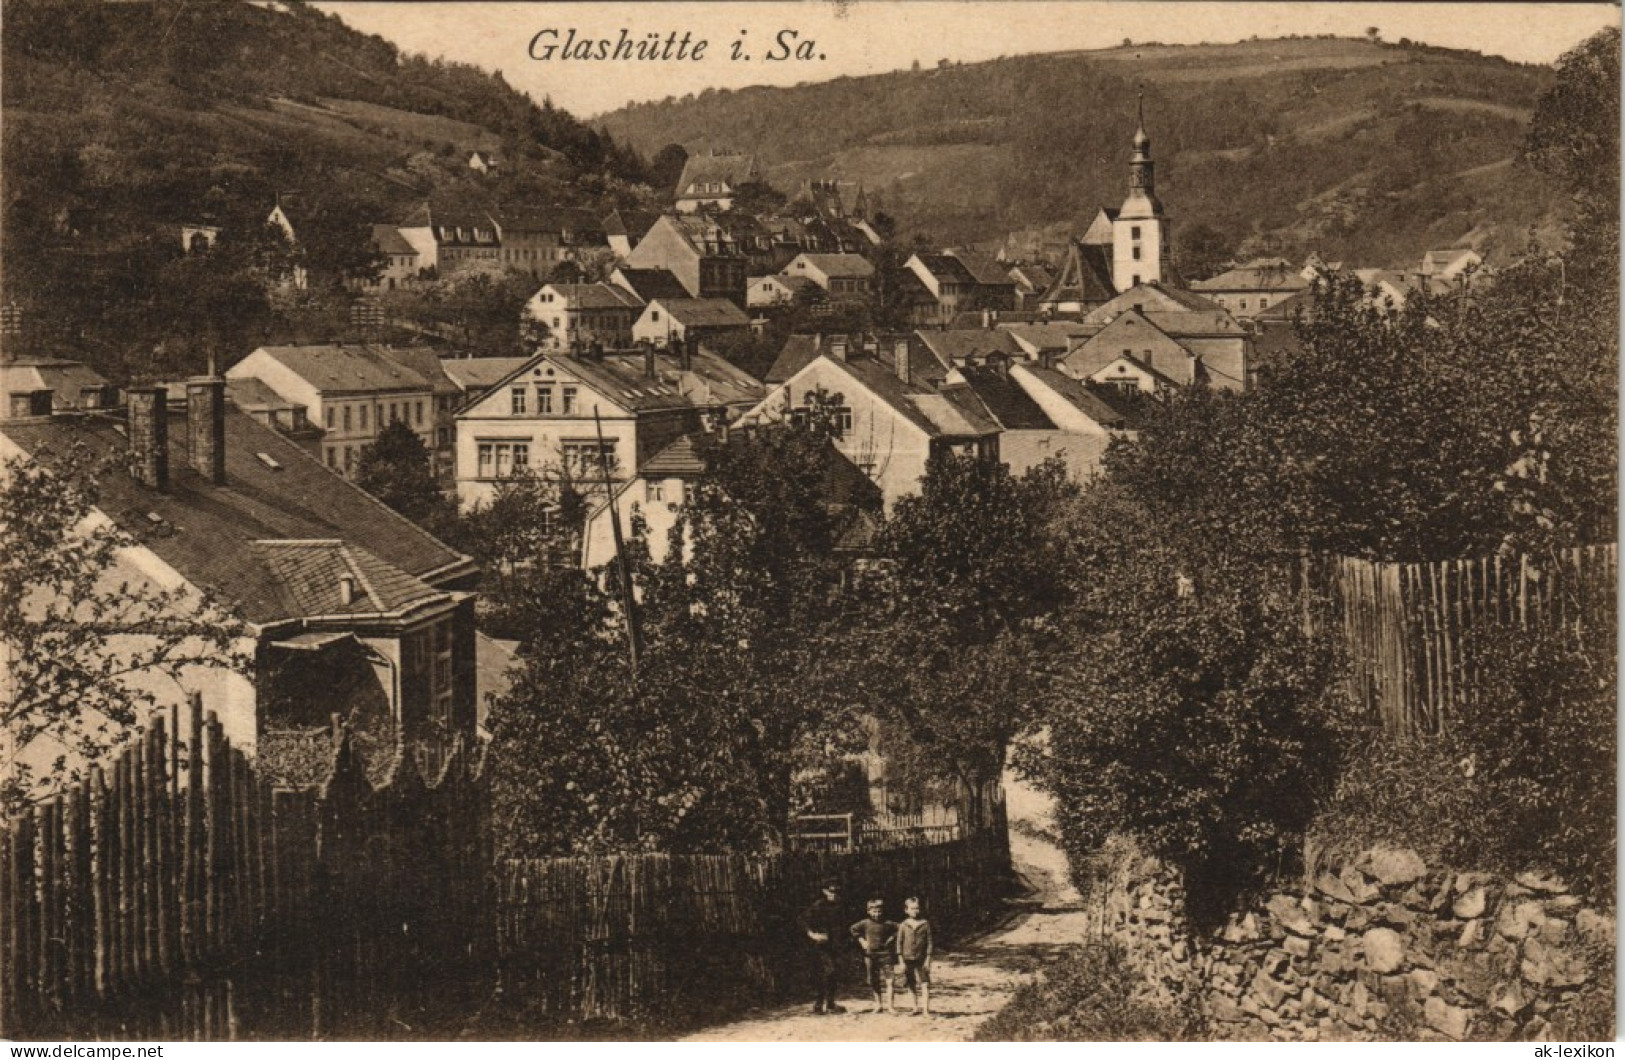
[1367, 152]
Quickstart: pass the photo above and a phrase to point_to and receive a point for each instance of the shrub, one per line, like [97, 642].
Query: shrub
[1085, 996]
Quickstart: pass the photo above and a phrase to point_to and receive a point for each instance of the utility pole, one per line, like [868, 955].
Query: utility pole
[628, 601]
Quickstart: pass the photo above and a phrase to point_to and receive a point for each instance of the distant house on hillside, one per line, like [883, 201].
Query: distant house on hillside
[775, 290]
[711, 180]
[1449, 264]
[198, 238]
[483, 162]
[400, 258]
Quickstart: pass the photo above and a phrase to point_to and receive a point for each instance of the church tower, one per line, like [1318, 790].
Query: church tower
[1140, 231]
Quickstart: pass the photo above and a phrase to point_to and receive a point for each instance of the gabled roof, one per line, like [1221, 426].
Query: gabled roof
[853, 266]
[955, 346]
[1195, 325]
[622, 377]
[1002, 397]
[251, 393]
[594, 296]
[1085, 276]
[1097, 406]
[1032, 277]
[63, 377]
[582, 225]
[705, 312]
[1287, 308]
[425, 362]
[649, 284]
[1039, 338]
[945, 268]
[920, 403]
[794, 283]
[340, 367]
[1149, 297]
[449, 212]
[475, 375]
[730, 169]
[216, 536]
[983, 269]
[1274, 274]
[956, 412]
[630, 223]
[388, 239]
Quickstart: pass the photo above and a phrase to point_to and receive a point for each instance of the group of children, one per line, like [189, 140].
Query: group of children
[887, 946]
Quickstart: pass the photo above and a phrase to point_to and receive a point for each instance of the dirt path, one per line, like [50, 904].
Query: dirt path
[971, 982]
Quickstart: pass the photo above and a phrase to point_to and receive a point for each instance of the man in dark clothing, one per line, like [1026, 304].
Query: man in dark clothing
[821, 923]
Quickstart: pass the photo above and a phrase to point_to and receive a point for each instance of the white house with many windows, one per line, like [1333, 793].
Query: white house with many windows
[549, 415]
[351, 392]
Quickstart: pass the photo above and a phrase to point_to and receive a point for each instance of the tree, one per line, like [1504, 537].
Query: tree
[737, 684]
[666, 167]
[82, 640]
[398, 469]
[958, 639]
[1196, 716]
[1203, 252]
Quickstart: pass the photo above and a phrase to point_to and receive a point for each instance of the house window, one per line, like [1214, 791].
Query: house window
[440, 673]
[346, 423]
[569, 400]
[1244, 303]
[544, 400]
[517, 398]
[349, 459]
[418, 406]
[654, 490]
[1136, 250]
[361, 416]
[1263, 303]
[654, 316]
[1135, 280]
[332, 456]
[394, 415]
[581, 458]
[329, 417]
[502, 459]
[1134, 232]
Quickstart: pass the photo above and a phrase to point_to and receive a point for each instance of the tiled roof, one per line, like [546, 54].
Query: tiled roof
[1085, 399]
[842, 265]
[649, 284]
[630, 223]
[959, 345]
[801, 350]
[475, 375]
[956, 412]
[252, 393]
[346, 368]
[424, 361]
[211, 534]
[1004, 399]
[595, 296]
[62, 377]
[705, 312]
[946, 268]
[309, 572]
[1286, 308]
[684, 458]
[1276, 275]
[1190, 325]
[581, 225]
[730, 169]
[1032, 277]
[1148, 297]
[1047, 336]
[622, 377]
[1085, 277]
[390, 241]
[983, 269]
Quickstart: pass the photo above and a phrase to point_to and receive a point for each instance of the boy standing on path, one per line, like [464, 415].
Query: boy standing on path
[878, 940]
[819, 922]
[914, 955]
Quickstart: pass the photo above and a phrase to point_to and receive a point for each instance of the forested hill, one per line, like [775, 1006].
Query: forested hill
[1366, 151]
[123, 120]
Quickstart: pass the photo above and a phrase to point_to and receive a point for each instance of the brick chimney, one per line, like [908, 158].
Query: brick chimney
[649, 362]
[206, 427]
[905, 369]
[149, 436]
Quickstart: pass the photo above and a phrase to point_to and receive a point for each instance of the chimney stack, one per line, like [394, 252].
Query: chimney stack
[149, 436]
[691, 346]
[905, 369]
[206, 427]
[649, 362]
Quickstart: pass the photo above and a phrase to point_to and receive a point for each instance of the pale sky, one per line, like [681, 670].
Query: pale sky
[873, 36]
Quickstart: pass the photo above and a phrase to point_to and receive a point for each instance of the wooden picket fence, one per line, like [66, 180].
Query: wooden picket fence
[656, 935]
[1407, 627]
[176, 895]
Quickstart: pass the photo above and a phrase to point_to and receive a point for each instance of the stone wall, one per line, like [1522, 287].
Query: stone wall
[1380, 947]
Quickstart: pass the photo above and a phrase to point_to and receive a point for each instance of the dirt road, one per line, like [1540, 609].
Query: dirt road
[971, 982]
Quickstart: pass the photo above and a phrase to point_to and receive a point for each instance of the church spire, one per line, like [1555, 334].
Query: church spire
[1142, 171]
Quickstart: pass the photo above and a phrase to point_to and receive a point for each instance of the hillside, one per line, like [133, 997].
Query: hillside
[1368, 152]
[124, 121]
